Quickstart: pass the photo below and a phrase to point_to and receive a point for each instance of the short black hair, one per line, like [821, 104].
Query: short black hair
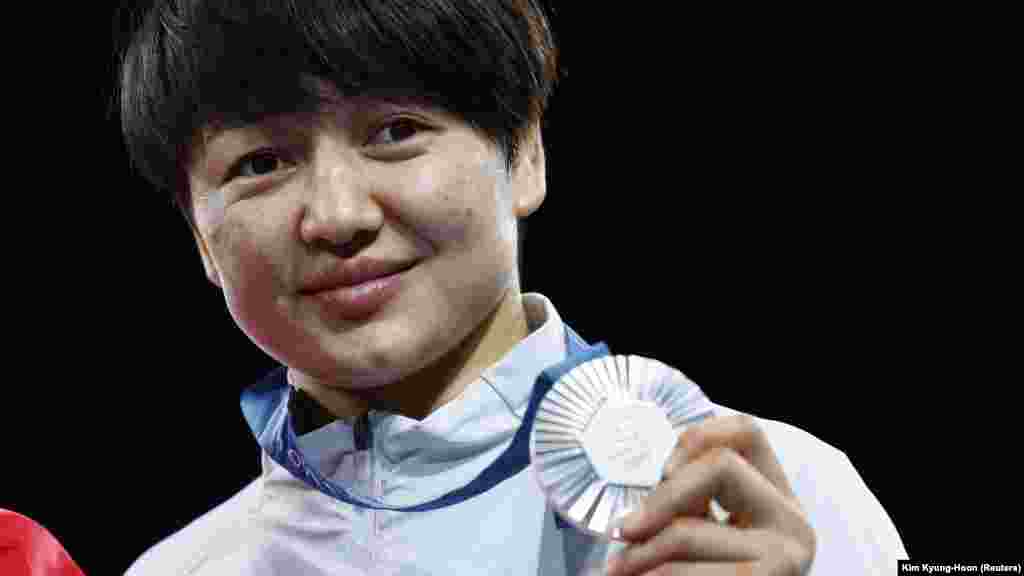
[193, 64]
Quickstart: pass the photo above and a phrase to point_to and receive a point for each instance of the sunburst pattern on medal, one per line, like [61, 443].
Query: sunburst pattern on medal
[584, 493]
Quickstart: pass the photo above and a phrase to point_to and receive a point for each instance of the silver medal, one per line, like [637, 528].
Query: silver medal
[603, 434]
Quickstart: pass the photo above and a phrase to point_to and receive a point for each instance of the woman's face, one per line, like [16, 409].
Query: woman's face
[363, 180]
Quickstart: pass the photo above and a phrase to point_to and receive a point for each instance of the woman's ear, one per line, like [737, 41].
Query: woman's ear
[531, 174]
[208, 264]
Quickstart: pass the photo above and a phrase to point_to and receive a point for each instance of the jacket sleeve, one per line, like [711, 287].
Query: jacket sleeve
[855, 533]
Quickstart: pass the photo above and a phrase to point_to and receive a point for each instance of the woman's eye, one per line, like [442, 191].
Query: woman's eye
[259, 163]
[401, 129]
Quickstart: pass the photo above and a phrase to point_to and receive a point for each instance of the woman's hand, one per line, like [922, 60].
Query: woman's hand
[728, 459]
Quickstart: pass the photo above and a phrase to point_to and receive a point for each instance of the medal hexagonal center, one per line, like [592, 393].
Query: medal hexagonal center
[629, 443]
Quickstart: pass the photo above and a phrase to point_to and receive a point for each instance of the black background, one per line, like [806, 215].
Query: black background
[787, 207]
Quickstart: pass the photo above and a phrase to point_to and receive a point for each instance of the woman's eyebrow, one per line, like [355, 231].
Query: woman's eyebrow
[219, 136]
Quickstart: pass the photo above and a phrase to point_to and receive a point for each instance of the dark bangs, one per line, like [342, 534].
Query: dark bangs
[216, 63]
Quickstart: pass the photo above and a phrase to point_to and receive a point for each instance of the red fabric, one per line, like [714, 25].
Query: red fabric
[28, 549]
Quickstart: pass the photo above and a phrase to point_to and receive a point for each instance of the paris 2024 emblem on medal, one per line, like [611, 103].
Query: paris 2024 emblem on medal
[604, 432]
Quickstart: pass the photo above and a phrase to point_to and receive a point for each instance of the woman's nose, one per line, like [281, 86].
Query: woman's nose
[340, 209]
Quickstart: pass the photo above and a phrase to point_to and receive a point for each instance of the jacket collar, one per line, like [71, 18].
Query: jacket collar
[264, 406]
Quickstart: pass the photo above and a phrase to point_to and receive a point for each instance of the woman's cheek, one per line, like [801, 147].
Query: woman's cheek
[441, 202]
[254, 294]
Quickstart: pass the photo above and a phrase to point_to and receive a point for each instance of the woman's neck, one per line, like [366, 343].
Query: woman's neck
[420, 394]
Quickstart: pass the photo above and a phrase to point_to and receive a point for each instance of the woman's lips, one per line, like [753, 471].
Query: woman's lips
[362, 300]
